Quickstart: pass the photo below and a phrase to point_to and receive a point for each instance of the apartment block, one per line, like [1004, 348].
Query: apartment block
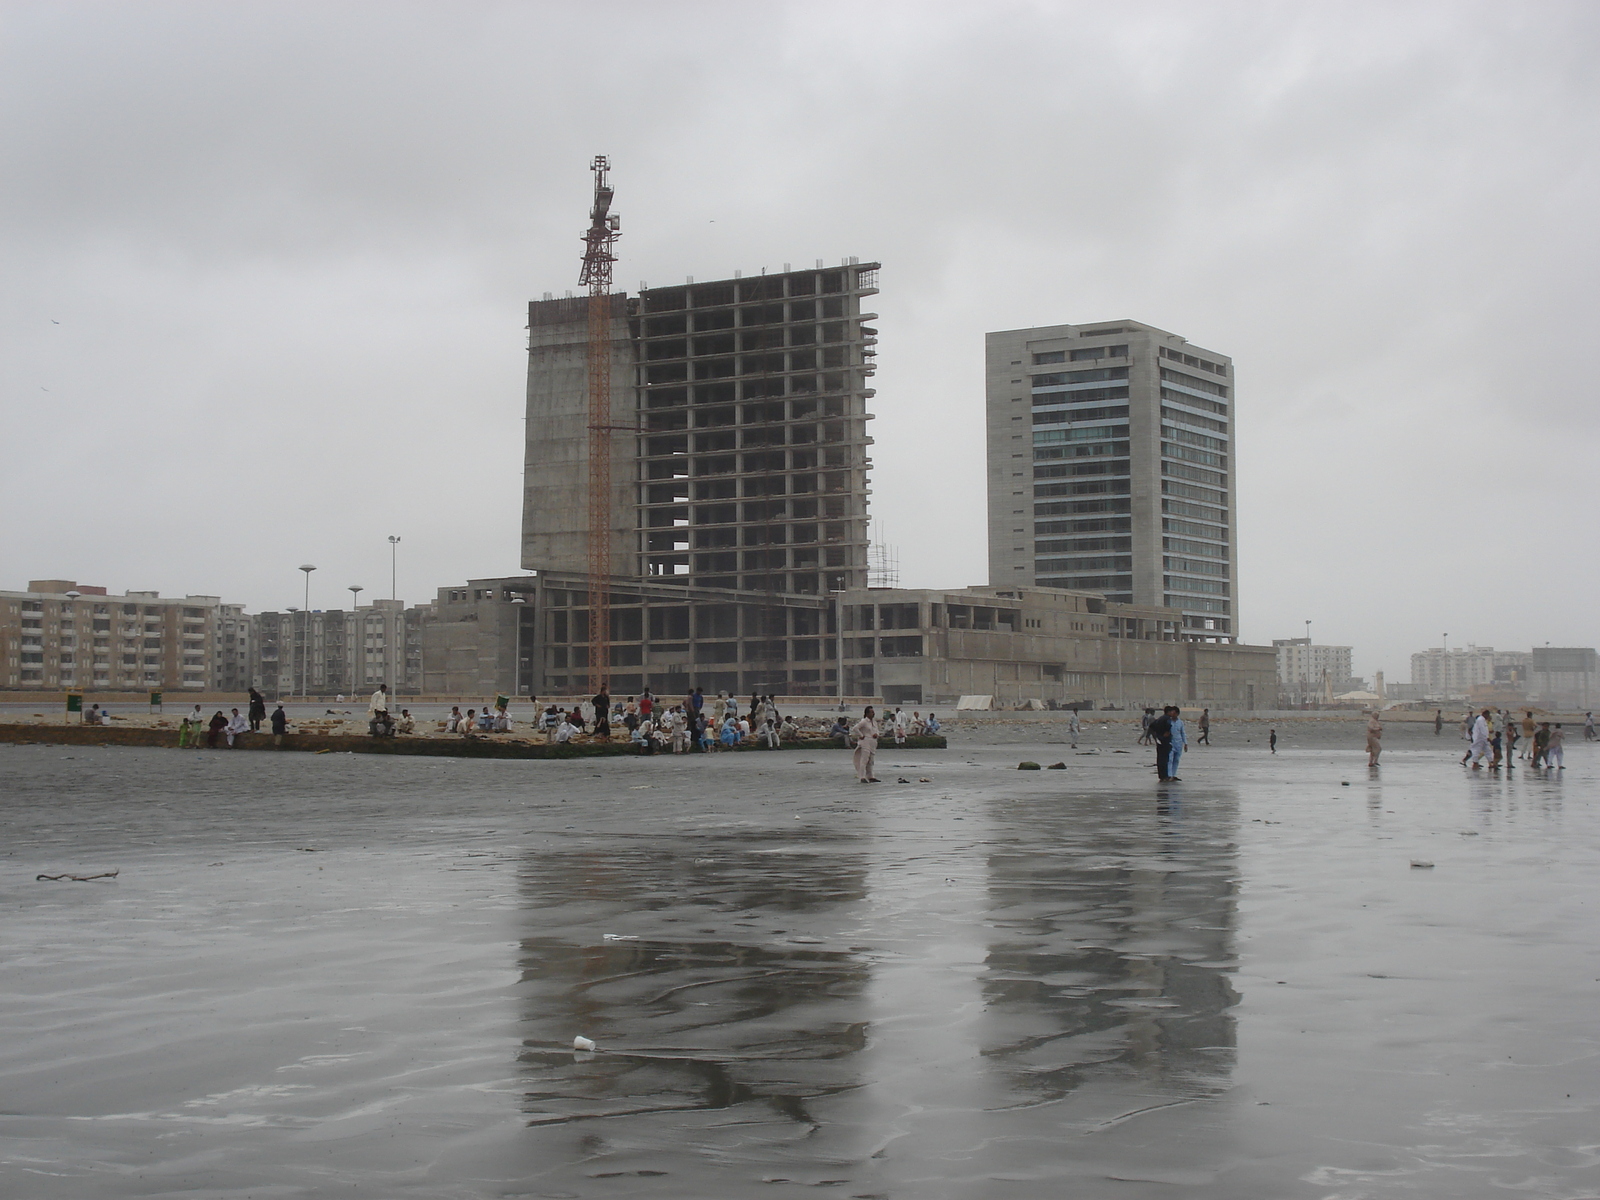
[1110, 469]
[232, 659]
[63, 636]
[740, 446]
[334, 651]
[1306, 671]
[1442, 674]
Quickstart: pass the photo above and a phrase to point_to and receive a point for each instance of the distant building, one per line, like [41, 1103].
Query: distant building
[1110, 455]
[334, 652]
[1442, 676]
[62, 636]
[1308, 673]
[233, 658]
[1563, 677]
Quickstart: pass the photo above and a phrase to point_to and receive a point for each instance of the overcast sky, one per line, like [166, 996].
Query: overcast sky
[265, 269]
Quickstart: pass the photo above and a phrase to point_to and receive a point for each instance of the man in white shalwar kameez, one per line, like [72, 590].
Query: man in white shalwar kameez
[1479, 750]
[865, 736]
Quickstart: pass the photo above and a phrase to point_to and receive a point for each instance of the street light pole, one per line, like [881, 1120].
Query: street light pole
[305, 653]
[394, 543]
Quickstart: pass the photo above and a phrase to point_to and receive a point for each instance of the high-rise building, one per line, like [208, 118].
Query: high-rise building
[739, 448]
[1110, 453]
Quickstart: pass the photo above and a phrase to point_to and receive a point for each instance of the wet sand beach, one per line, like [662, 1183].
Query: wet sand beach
[342, 975]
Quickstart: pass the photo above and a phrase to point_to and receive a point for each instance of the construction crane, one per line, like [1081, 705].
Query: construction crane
[598, 260]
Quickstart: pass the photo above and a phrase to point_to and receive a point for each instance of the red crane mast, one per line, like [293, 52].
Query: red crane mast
[598, 260]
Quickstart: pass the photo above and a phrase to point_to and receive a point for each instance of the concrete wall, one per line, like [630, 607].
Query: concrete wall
[555, 512]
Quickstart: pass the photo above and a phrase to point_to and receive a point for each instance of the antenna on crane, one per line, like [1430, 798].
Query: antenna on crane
[598, 261]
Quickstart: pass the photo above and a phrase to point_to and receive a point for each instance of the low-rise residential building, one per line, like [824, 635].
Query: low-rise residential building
[233, 664]
[59, 635]
[338, 652]
[1308, 673]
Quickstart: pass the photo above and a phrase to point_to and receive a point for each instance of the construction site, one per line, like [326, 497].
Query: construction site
[695, 514]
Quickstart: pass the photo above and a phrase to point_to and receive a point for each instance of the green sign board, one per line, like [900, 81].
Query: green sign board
[74, 702]
[155, 699]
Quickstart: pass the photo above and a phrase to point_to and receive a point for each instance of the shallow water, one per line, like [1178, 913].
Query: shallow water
[361, 976]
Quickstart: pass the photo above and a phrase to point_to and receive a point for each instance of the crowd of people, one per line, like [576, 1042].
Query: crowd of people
[697, 724]
[1492, 739]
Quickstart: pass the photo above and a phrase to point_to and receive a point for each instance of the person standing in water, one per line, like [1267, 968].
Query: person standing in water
[865, 735]
[1160, 731]
[1179, 734]
[1374, 739]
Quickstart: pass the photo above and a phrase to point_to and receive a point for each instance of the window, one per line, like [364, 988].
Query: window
[1193, 381]
[1093, 376]
[1050, 356]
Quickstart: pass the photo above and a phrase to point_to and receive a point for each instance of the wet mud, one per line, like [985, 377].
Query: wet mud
[362, 976]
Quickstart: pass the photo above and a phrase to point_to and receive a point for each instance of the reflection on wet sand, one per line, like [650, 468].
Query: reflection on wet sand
[1118, 951]
[689, 1018]
[847, 1008]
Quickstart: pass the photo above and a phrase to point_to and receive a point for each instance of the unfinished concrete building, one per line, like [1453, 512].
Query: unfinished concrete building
[739, 460]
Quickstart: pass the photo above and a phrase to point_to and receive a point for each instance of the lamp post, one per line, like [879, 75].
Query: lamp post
[305, 652]
[394, 552]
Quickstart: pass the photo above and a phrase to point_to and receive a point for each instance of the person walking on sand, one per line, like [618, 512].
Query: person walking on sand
[258, 710]
[1374, 739]
[1588, 727]
[1541, 745]
[1074, 728]
[1438, 721]
[1205, 728]
[865, 736]
[1272, 741]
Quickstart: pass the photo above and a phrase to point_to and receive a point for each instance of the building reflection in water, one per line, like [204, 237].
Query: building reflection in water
[884, 1002]
[1113, 947]
[718, 981]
